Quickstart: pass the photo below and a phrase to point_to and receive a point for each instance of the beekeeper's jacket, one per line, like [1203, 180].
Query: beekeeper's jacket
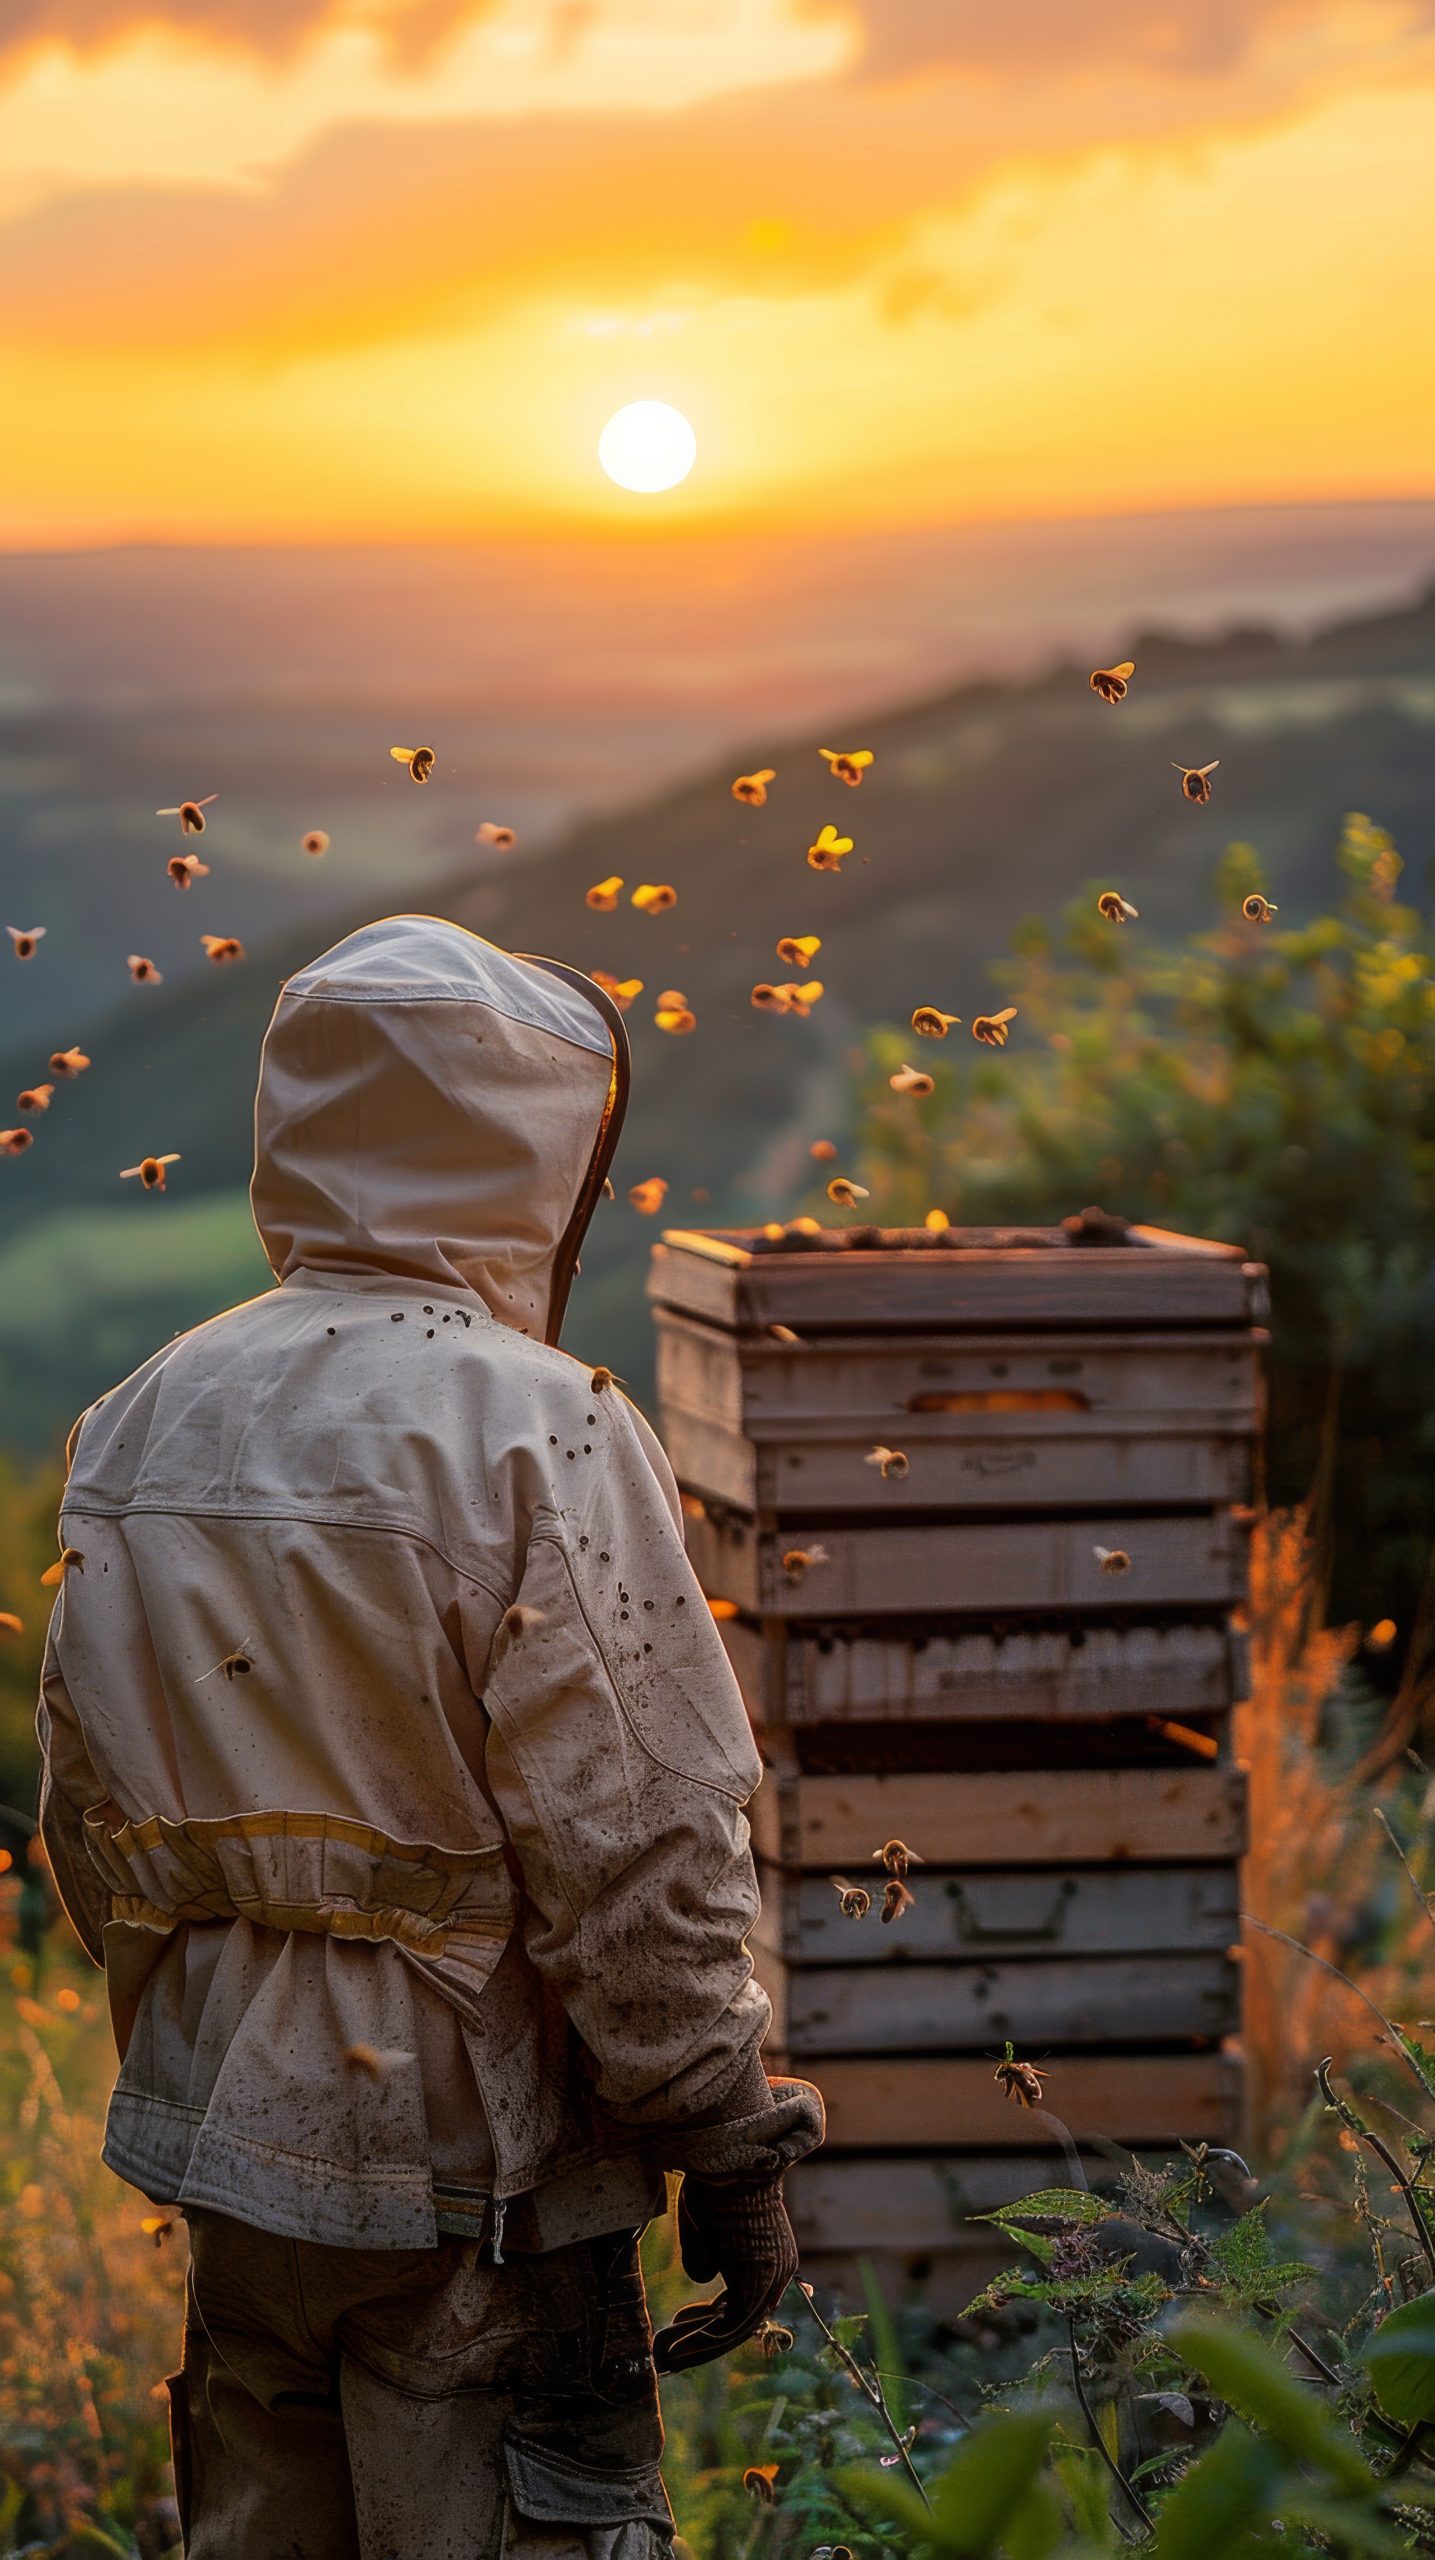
[393, 1766]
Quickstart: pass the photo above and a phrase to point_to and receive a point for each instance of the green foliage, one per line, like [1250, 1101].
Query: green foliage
[1400, 2360]
[1273, 1086]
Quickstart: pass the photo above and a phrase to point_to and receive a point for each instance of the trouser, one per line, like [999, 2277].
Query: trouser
[415, 2404]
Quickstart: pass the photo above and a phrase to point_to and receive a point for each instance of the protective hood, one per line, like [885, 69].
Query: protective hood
[433, 1109]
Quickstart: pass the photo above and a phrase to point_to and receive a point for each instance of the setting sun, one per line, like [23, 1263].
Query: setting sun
[647, 446]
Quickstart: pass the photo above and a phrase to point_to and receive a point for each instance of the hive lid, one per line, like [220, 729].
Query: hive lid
[964, 1278]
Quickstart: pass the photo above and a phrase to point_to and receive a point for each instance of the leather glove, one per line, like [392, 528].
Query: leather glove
[740, 2232]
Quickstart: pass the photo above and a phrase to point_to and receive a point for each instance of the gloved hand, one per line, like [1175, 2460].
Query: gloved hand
[733, 2229]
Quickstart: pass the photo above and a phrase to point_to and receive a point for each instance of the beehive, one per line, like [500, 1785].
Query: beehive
[956, 1670]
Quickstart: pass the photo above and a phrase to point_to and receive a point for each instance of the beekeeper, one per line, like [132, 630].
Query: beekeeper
[394, 1772]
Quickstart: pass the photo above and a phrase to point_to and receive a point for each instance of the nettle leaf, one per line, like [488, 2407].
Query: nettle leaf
[1243, 2250]
[1253, 2380]
[1400, 2360]
[1230, 2489]
[1420, 2058]
[992, 2477]
[1055, 2204]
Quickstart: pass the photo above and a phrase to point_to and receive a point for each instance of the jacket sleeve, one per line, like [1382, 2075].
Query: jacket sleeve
[68, 1786]
[620, 1758]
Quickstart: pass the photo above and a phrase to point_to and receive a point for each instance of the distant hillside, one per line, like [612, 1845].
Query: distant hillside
[985, 803]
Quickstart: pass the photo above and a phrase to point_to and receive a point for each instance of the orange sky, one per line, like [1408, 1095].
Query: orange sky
[381, 268]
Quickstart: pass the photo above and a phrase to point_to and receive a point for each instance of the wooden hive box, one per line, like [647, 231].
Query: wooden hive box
[935, 1654]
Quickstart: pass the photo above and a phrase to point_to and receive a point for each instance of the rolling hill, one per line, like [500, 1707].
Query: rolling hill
[986, 802]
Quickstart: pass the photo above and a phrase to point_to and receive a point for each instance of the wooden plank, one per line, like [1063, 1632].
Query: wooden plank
[839, 1673]
[1127, 1465]
[1014, 1912]
[965, 1289]
[1037, 2001]
[753, 1383]
[1185, 1560]
[1003, 1818]
[927, 2105]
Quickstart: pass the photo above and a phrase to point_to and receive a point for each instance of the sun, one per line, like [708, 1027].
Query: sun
[647, 446]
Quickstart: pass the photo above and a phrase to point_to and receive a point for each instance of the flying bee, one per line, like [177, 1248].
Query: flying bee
[315, 843]
[602, 1379]
[896, 1898]
[144, 972]
[68, 1062]
[1257, 910]
[622, 990]
[10, 1625]
[828, 851]
[1021, 2080]
[799, 950]
[502, 838]
[220, 947]
[758, 2481]
[810, 992]
[653, 898]
[822, 1151]
[911, 1080]
[844, 1193]
[69, 1560]
[991, 1028]
[932, 1024]
[150, 1171]
[648, 1197]
[1382, 1636]
[1196, 780]
[517, 1620]
[768, 999]
[937, 1222]
[603, 896]
[608, 1191]
[677, 1018]
[898, 1859]
[36, 1097]
[1115, 908]
[774, 2340]
[1112, 1559]
[751, 788]
[157, 2227]
[853, 1900]
[783, 1333]
[420, 761]
[371, 2060]
[848, 768]
[235, 1665]
[26, 939]
[190, 814]
[185, 868]
[801, 1560]
[13, 1142]
[1111, 682]
[891, 1464]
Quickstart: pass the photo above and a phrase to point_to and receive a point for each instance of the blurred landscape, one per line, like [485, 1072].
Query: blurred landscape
[601, 703]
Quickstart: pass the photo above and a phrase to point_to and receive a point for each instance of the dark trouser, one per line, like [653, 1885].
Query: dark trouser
[415, 2404]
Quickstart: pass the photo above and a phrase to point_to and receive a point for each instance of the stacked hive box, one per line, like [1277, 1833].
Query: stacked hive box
[957, 1671]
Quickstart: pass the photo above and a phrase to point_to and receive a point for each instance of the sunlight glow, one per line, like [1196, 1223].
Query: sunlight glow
[647, 446]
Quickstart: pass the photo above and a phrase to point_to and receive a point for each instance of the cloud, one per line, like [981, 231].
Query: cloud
[1200, 40]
